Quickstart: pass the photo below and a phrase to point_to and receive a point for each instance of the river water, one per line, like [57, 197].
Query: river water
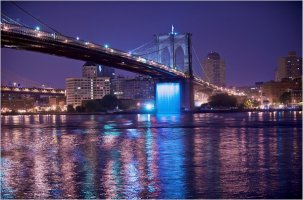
[217, 155]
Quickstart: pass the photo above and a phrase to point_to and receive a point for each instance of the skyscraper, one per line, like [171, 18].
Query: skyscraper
[289, 67]
[214, 69]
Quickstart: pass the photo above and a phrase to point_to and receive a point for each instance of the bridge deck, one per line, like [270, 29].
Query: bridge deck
[45, 91]
[19, 37]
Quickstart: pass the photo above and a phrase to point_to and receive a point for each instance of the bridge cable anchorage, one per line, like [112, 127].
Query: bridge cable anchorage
[14, 3]
[200, 64]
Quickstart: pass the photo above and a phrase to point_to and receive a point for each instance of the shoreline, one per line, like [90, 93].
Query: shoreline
[141, 112]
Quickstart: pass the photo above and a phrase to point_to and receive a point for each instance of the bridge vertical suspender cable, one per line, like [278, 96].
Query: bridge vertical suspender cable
[201, 65]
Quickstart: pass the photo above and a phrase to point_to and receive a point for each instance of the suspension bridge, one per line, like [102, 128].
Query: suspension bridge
[175, 81]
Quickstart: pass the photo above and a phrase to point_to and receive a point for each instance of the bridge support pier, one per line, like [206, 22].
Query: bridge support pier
[174, 95]
[188, 102]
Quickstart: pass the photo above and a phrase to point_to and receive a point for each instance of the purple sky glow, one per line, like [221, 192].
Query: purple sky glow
[249, 36]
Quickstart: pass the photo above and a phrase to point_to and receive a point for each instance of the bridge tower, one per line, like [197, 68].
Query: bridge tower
[171, 43]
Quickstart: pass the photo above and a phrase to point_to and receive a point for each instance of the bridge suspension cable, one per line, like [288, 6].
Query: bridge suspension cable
[140, 50]
[141, 46]
[7, 19]
[150, 52]
[28, 13]
[9, 77]
[201, 65]
[145, 49]
[195, 73]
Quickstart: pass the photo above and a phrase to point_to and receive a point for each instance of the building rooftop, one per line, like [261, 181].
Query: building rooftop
[213, 56]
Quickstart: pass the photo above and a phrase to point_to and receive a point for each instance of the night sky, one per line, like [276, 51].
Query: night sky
[249, 36]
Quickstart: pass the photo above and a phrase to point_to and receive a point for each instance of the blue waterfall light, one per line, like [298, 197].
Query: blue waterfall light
[168, 97]
[149, 107]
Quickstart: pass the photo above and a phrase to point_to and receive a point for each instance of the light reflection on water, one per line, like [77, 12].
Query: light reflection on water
[228, 155]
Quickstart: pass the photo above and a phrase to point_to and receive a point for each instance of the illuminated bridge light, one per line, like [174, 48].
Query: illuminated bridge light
[106, 46]
[77, 38]
[37, 28]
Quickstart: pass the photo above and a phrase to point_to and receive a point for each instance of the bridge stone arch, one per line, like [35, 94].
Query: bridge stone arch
[180, 59]
[173, 42]
[165, 56]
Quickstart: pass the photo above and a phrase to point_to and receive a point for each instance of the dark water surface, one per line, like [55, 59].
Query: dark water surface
[218, 155]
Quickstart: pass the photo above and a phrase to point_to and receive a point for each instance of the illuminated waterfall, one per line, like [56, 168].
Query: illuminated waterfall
[168, 97]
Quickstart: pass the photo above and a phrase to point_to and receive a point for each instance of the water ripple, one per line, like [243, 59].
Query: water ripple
[228, 155]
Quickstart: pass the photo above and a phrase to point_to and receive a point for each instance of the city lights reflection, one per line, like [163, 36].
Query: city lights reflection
[166, 156]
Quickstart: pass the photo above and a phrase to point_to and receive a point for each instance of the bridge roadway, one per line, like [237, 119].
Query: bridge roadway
[20, 37]
[39, 91]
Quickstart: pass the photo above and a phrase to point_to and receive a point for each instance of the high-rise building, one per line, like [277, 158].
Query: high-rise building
[289, 67]
[214, 69]
[92, 85]
[140, 87]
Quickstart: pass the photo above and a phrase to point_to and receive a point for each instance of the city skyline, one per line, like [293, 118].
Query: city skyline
[253, 34]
